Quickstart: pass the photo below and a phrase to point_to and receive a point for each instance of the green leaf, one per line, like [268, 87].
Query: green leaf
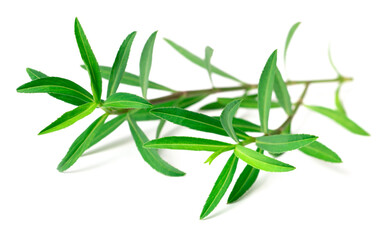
[340, 118]
[212, 106]
[244, 125]
[107, 128]
[260, 161]
[213, 156]
[282, 94]
[120, 64]
[320, 151]
[267, 79]
[220, 187]
[126, 100]
[200, 62]
[131, 79]
[244, 182]
[35, 75]
[90, 61]
[150, 155]
[208, 66]
[187, 143]
[226, 118]
[145, 63]
[284, 143]
[331, 62]
[70, 118]
[338, 103]
[247, 103]
[159, 128]
[289, 37]
[81, 144]
[193, 120]
[59, 86]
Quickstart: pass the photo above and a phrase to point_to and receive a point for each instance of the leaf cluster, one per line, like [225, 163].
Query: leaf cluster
[127, 107]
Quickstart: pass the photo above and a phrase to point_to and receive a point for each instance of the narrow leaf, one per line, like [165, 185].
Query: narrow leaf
[208, 66]
[126, 100]
[59, 86]
[213, 106]
[244, 182]
[81, 144]
[70, 118]
[340, 118]
[213, 156]
[338, 103]
[260, 161]
[284, 143]
[193, 120]
[187, 143]
[159, 128]
[267, 79]
[220, 187]
[320, 151]
[247, 102]
[244, 125]
[90, 61]
[282, 94]
[331, 62]
[289, 37]
[145, 63]
[200, 62]
[131, 79]
[107, 128]
[120, 64]
[226, 118]
[150, 155]
[35, 75]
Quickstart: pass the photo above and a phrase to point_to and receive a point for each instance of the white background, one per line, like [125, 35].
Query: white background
[114, 194]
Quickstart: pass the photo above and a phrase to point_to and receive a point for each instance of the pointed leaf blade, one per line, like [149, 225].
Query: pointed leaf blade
[289, 37]
[120, 64]
[244, 182]
[339, 118]
[338, 103]
[260, 161]
[59, 86]
[150, 155]
[187, 143]
[226, 118]
[145, 63]
[284, 143]
[220, 187]
[107, 128]
[266, 82]
[126, 100]
[89, 60]
[70, 117]
[208, 66]
[282, 94]
[193, 120]
[320, 151]
[80, 144]
[200, 62]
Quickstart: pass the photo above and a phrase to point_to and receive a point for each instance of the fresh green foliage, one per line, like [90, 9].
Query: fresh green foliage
[260, 161]
[318, 150]
[119, 65]
[289, 37]
[90, 62]
[340, 118]
[266, 82]
[284, 143]
[57, 86]
[208, 66]
[281, 93]
[244, 182]
[186, 143]
[81, 144]
[226, 118]
[70, 118]
[220, 186]
[332, 62]
[145, 63]
[200, 62]
[150, 155]
[123, 106]
[126, 100]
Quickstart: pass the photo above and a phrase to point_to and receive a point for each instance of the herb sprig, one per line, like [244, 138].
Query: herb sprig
[130, 108]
